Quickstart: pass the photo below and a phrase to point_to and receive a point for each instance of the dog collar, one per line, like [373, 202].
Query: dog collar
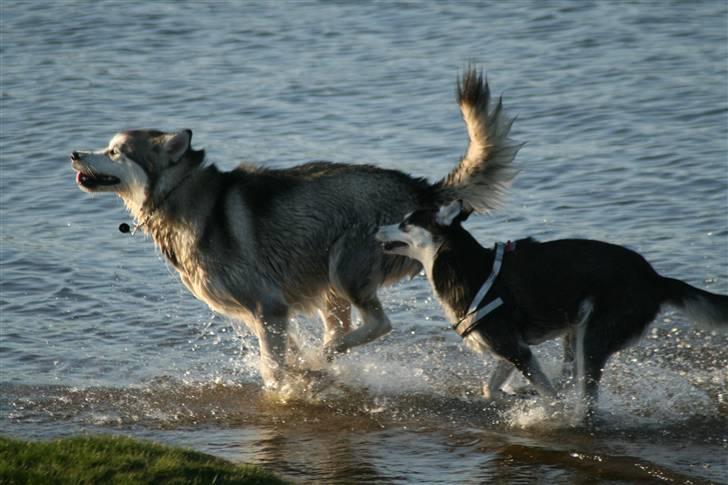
[124, 227]
[473, 316]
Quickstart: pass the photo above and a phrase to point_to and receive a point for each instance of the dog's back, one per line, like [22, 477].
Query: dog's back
[307, 207]
[549, 282]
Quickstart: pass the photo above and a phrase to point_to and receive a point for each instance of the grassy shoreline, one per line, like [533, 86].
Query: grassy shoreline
[117, 459]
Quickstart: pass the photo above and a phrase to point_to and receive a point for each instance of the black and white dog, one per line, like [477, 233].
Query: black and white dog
[600, 296]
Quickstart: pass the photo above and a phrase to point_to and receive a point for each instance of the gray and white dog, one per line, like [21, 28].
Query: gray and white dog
[259, 245]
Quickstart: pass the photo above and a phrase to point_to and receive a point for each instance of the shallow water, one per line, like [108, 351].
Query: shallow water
[625, 112]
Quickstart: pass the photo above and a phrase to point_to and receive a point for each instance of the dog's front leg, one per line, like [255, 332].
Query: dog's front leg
[503, 370]
[520, 355]
[531, 369]
[273, 340]
[355, 272]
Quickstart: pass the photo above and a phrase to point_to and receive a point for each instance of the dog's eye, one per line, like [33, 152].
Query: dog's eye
[114, 152]
[403, 226]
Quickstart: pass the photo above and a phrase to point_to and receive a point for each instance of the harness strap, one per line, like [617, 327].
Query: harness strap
[497, 262]
[473, 317]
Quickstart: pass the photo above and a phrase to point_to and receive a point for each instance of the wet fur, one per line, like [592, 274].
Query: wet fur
[260, 245]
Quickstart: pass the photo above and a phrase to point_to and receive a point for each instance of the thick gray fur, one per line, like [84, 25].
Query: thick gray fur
[260, 245]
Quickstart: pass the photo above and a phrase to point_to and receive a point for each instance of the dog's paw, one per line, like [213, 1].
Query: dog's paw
[496, 395]
[523, 393]
[333, 348]
[566, 380]
[564, 384]
[508, 394]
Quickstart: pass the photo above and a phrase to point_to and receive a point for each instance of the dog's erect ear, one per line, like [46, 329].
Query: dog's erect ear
[447, 213]
[177, 144]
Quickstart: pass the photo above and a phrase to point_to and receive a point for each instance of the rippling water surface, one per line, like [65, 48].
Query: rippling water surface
[624, 108]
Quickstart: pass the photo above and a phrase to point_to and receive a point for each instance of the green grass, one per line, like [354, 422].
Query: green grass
[106, 459]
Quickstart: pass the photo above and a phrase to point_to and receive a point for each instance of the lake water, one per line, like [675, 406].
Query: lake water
[624, 108]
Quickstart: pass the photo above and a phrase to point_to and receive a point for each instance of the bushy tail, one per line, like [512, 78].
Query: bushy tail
[705, 309]
[484, 174]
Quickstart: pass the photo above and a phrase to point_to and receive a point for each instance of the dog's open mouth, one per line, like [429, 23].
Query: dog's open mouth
[91, 181]
[389, 246]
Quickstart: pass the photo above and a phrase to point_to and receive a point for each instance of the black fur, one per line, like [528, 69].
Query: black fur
[545, 287]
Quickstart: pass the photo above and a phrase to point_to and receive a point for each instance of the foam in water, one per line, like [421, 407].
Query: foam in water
[634, 391]
[631, 396]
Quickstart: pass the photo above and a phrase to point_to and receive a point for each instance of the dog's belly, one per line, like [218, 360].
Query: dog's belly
[220, 295]
[243, 295]
[535, 336]
[560, 320]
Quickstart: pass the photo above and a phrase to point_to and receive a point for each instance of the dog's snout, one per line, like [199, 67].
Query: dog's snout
[75, 156]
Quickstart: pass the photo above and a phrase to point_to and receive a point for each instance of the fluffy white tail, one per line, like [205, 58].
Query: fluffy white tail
[484, 174]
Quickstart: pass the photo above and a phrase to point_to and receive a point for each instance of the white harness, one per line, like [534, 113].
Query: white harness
[473, 316]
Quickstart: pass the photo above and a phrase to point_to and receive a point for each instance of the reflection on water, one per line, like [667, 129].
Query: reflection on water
[624, 110]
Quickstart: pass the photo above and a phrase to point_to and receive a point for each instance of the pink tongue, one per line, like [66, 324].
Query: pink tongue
[80, 177]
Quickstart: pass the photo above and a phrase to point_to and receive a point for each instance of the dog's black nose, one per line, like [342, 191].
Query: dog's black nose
[74, 156]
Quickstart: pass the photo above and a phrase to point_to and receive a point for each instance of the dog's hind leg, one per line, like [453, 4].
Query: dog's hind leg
[355, 273]
[336, 317]
[568, 365]
[374, 325]
[603, 335]
[591, 358]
